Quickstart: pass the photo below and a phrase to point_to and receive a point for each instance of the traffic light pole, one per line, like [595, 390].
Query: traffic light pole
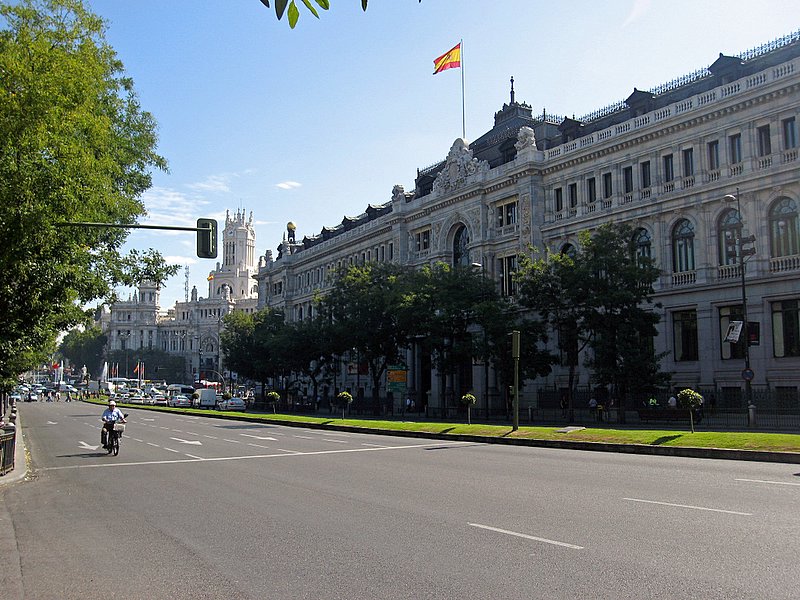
[206, 232]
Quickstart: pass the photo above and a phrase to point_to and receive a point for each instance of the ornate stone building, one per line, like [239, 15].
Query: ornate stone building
[191, 329]
[663, 161]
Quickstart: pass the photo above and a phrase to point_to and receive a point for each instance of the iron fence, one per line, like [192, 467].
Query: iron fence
[8, 439]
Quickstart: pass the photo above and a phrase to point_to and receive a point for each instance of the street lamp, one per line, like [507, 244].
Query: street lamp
[479, 267]
[741, 253]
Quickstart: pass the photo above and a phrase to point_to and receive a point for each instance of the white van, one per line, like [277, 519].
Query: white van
[207, 398]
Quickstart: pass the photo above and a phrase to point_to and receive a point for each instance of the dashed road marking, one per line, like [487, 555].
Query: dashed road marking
[719, 510]
[526, 536]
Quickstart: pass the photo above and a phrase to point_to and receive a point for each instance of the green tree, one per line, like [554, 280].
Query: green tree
[598, 297]
[307, 347]
[371, 306]
[84, 348]
[75, 145]
[251, 346]
[555, 286]
[624, 325]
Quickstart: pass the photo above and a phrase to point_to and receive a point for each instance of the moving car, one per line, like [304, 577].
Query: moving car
[234, 403]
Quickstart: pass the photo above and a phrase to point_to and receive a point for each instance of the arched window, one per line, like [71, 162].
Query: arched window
[730, 228]
[461, 247]
[642, 243]
[683, 247]
[568, 250]
[784, 228]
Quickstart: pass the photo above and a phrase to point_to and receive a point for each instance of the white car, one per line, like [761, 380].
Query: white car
[180, 401]
[234, 403]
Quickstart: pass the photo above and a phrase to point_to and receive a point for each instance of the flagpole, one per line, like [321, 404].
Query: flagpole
[463, 112]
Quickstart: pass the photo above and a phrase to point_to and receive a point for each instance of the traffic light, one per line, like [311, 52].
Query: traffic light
[206, 238]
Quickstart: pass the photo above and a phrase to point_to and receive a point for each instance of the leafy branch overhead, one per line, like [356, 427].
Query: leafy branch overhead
[294, 12]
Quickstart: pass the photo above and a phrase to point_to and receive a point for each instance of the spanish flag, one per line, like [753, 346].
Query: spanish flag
[449, 60]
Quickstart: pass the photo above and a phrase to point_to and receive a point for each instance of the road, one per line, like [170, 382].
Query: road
[196, 507]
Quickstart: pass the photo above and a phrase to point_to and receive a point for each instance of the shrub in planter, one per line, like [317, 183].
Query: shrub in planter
[274, 397]
[469, 401]
[344, 399]
[692, 400]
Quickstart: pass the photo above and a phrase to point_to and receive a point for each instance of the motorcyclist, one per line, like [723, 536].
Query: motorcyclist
[110, 416]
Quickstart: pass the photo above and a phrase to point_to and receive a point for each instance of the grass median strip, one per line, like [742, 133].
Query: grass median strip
[729, 440]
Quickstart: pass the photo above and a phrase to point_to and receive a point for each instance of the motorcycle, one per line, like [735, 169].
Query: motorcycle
[112, 433]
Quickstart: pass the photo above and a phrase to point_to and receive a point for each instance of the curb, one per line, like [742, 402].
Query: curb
[682, 451]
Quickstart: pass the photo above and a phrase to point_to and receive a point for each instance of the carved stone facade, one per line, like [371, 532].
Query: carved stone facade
[663, 161]
[192, 328]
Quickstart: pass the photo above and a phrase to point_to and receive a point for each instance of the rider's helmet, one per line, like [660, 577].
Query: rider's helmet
[112, 403]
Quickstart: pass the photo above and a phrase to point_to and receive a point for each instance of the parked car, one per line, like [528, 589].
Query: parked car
[159, 400]
[135, 400]
[180, 401]
[234, 403]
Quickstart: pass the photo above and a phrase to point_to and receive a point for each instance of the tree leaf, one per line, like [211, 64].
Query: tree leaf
[294, 14]
[324, 4]
[310, 7]
[280, 6]
[364, 4]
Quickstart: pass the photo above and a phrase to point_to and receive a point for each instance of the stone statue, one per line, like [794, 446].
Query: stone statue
[525, 139]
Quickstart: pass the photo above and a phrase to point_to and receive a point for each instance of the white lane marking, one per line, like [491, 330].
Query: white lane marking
[290, 453]
[177, 430]
[192, 442]
[526, 536]
[231, 441]
[211, 437]
[85, 446]
[334, 441]
[258, 437]
[153, 445]
[772, 482]
[162, 427]
[730, 512]
[303, 437]
[52, 423]
[256, 445]
[375, 445]
[146, 419]
[191, 433]
[193, 456]
[137, 440]
[171, 450]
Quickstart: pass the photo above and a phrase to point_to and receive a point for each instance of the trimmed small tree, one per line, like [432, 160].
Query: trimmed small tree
[345, 399]
[273, 397]
[690, 399]
[468, 400]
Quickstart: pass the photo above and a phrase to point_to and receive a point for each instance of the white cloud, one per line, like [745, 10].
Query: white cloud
[171, 208]
[288, 185]
[181, 260]
[639, 8]
[212, 183]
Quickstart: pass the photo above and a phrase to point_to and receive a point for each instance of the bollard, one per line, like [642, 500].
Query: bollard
[751, 415]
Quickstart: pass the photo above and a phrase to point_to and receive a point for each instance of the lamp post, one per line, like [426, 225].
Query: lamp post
[741, 252]
[479, 267]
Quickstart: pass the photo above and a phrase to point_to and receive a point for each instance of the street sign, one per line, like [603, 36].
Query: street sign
[734, 331]
[748, 374]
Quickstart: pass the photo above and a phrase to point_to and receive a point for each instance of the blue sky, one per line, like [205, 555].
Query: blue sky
[312, 124]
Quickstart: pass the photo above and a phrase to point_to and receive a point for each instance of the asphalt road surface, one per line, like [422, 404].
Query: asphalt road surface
[196, 507]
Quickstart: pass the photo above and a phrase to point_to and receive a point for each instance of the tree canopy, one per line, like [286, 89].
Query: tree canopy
[75, 145]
